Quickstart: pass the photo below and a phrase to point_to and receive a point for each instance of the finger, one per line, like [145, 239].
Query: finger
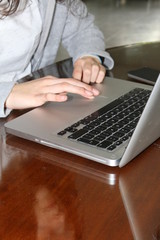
[95, 72]
[67, 87]
[83, 85]
[62, 83]
[89, 88]
[45, 81]
[77, 72]
[101, 75]
[87, 71]
[50, 81]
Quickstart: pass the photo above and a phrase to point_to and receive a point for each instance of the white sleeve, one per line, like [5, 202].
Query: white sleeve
[81, 37]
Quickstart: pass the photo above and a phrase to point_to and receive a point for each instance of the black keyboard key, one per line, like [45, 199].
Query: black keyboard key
[119, 142]
[62, 133]
[76, 124]
[70, 129]
[100, 128]
[123, 130]
[88, 136]
[123, 122]
[119, 134]
[112, 121]
[101, 119]
[106, 133]
[106, 125]
[130, 133]
[111, 130]
[125, 138]
[112, 139]
[104, 144]
[111, 148]
[94, 132]
[89, 127]
[87, 141]
[99, 138]
[129, 127]
[95, 123]
[78, 134]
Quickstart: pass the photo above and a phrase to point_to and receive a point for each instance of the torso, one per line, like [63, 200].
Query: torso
[19, 38]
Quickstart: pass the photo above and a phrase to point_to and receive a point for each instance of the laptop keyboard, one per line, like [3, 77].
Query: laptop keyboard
[111, 125]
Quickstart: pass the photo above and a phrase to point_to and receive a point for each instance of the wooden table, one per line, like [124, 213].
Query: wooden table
[48, 194]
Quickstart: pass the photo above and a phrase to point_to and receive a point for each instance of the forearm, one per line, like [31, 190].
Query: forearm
[81, 38]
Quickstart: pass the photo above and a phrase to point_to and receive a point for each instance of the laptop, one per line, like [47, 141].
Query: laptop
[111, 129]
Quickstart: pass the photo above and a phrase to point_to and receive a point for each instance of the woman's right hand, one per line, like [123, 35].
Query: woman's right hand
[36, 92]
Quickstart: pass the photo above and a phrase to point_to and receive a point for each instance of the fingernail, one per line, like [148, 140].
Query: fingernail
[95, 91]
[63, 98]
[91, 97]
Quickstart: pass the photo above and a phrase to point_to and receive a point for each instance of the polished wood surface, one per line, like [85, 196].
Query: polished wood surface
[135, 56]
[49, 194]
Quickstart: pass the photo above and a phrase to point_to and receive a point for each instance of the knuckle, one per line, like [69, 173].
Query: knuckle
[95, 67]
[48, 97]
[46, 80]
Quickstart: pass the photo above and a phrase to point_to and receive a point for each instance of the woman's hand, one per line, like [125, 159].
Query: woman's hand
[89, 70]
[35, 93]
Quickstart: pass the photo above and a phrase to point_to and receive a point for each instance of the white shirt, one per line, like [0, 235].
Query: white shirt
[19, 38]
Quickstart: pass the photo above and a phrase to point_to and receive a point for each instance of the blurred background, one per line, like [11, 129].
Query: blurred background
[124, 22]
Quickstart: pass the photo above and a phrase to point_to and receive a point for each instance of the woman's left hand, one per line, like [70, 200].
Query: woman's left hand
[89, 70]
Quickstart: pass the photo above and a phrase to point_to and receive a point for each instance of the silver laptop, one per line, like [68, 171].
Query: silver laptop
[112, 129]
